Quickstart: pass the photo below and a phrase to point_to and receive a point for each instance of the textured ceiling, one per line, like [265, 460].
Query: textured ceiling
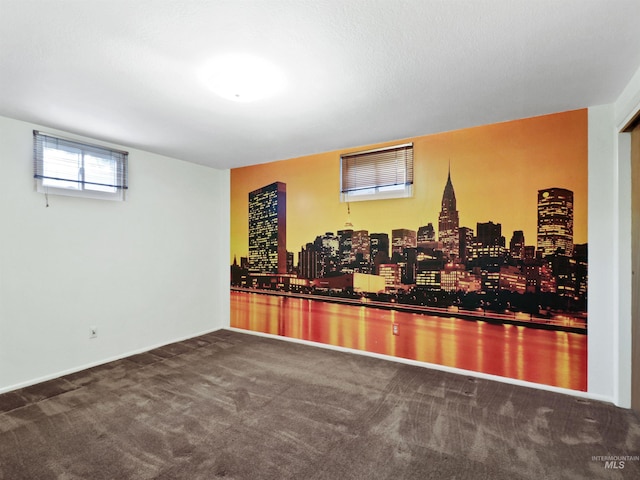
[359, 71]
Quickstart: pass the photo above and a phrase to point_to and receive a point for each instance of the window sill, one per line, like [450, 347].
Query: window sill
[405, 192]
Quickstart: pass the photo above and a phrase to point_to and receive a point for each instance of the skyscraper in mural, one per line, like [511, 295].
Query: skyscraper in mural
[379, 247]
[268, 229]
[465, 242]
[489, 234]
[516, 245]
[555, 221]
[448, 221]
[344, 246]
[402, 238]
[308, 262]
[360, 246]
[344, 239]
[426, 235]
[328, 248]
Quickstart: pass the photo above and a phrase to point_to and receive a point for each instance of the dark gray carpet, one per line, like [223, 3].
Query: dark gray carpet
[237, 406]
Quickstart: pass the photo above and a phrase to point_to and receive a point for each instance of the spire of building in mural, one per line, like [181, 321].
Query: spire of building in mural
[348, 225]
[448, 220]
[449, 195]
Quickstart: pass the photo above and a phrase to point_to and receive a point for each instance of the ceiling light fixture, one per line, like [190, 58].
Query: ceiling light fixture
[242, 78]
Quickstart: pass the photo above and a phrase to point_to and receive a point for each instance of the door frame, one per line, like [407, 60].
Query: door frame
[633, 128]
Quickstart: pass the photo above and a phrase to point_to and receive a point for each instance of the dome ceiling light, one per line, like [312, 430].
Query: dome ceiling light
[242, 78]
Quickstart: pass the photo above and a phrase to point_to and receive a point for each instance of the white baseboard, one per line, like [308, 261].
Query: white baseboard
[434, 366]
[55, 375]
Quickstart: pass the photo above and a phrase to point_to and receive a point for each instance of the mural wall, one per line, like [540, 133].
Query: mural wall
[484, 268]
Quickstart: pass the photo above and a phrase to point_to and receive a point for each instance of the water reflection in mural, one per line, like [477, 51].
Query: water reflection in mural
[541, 356]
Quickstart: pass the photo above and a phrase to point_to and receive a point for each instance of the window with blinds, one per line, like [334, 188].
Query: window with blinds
[377, 174]
[69, 167]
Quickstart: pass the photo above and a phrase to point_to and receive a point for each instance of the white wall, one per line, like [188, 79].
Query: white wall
[146, 272]
[602, 267]
[609, 347]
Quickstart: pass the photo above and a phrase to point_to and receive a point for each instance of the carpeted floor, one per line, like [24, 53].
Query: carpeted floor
[237, 406]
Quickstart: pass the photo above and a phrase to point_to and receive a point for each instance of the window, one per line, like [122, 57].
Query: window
[68, 167]
[377, 174]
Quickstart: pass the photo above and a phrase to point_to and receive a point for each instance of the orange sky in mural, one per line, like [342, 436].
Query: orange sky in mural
[496, 171]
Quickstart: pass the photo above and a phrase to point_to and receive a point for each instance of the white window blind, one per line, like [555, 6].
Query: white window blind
[376, 174]
[69, 167]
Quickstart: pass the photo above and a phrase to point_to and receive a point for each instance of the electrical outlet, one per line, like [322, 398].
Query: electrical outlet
[93, 332]
[395, 329]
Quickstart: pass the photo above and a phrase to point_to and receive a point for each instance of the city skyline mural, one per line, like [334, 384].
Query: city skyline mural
[484, 268]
